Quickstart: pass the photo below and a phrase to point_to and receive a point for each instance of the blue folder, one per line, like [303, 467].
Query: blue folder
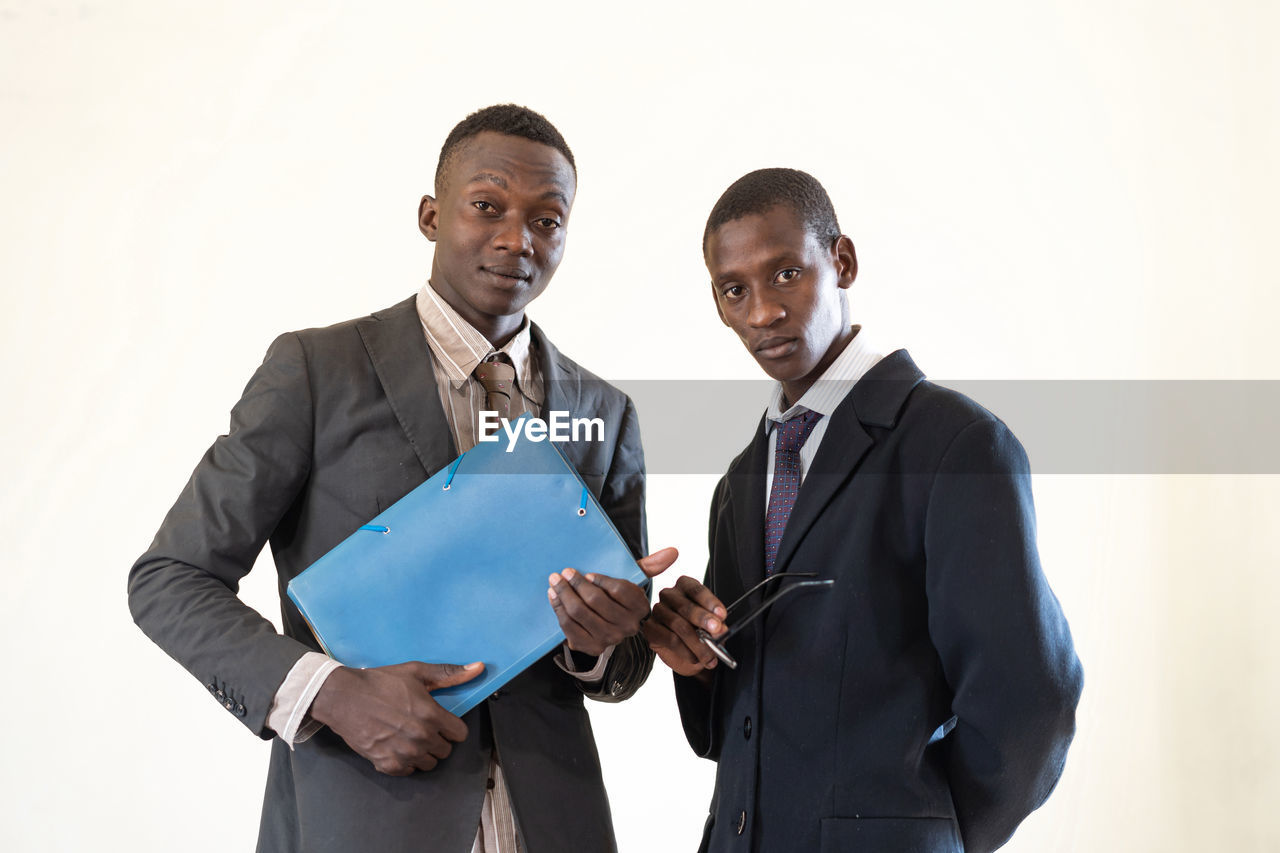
[456, 570]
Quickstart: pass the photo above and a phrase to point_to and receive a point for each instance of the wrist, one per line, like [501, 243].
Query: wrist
[328, 704]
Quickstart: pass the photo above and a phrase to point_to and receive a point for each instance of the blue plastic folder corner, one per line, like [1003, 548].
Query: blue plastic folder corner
[456, 570]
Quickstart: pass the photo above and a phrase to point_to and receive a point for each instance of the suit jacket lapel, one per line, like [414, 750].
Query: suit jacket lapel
[398, 349]
[561, 382]
[746, 492]
[562, 389]
[874, 400]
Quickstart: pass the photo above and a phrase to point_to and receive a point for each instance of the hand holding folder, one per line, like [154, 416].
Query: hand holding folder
[387, 715]
[597, 611]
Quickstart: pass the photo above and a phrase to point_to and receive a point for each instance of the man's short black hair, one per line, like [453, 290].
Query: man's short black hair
[510, 119]
[758, 191]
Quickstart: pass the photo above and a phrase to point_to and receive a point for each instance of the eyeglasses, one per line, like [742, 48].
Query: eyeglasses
[717, 646]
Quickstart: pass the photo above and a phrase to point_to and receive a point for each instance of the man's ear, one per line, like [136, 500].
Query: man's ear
[428, 215]
[846, 261]
[715, 297]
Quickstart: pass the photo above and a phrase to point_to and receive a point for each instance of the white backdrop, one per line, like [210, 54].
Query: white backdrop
[1037, 190]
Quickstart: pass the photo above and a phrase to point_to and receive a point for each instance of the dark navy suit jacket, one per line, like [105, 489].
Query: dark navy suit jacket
[923, 703]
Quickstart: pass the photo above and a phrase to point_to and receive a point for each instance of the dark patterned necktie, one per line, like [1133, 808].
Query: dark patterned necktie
[786, 481]
[498, 376]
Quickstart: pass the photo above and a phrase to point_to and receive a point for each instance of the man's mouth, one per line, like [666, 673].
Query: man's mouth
[776, 346]
[513, 273]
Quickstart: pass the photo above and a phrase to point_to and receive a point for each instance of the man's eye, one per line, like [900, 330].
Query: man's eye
[549, 223]
[482, 206]
[788, 275]
[733, 291]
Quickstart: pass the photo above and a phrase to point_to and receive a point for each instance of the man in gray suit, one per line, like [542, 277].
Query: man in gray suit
[337, 424]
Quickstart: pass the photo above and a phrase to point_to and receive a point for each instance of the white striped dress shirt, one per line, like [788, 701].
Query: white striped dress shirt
[458, 348]
[824, 396]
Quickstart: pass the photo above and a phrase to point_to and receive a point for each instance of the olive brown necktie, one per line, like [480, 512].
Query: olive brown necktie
[498, 376]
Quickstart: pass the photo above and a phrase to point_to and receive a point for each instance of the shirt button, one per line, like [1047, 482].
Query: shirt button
[742, 821]
[489, 784]
[496, 695]
[746, 728]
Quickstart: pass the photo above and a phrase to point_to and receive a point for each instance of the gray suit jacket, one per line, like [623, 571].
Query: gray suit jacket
[337, 424]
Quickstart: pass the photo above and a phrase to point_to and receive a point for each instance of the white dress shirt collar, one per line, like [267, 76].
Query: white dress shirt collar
[858, 356]
[459, 347]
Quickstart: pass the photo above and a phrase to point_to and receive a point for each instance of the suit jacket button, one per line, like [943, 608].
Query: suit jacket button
[615, 688]
[240, 712]
[742, 821]
[221, 696]
[746, 728]
[496, 695]
[213, 688]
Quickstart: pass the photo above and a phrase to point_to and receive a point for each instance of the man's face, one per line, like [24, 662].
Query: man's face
[779, 290]
[499, 226]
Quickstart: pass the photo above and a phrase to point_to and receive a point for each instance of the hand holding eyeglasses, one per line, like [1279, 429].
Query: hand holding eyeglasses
[692, 619]
[672, 630]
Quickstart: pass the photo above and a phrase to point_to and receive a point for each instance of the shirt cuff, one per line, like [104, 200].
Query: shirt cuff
[289, 717]
[564, 660]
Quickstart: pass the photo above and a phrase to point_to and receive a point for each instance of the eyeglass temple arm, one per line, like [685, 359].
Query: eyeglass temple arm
[768, 602]
[742, 599]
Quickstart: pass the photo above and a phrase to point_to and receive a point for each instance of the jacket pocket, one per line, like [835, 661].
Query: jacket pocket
[890, 835]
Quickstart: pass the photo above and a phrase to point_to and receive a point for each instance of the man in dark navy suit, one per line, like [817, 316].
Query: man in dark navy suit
[914, 686]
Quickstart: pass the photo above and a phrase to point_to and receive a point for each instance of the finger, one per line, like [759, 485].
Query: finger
[579, 637]
[705, 597]
[687, 609]
[394, 768]
[448, 725]
[437, 749]
[658, 562]
[427, 752]
[669, 647]
[437, 675]
[600, 628]
[609, 609]
[687, 633]
[630, 597]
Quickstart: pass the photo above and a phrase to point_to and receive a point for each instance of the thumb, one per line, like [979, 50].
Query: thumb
[437, 675]
[658, 562]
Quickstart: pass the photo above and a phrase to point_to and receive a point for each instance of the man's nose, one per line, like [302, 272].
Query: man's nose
[513, 236]
[764, 311]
